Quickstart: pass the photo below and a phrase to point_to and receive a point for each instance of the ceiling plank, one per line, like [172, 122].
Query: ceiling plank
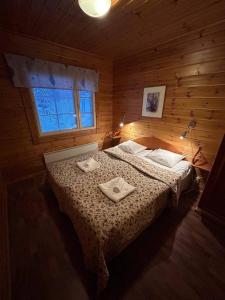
[129, 28]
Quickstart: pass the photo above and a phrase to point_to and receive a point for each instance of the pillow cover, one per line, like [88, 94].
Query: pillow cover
[143, 153]
[165, 157]
[131, 147]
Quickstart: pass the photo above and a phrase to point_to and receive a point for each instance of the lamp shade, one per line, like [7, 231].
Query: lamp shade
[95, 8]
[122, 121]
[184, 135]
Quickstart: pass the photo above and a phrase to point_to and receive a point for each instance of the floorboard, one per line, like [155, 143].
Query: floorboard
[181, 256]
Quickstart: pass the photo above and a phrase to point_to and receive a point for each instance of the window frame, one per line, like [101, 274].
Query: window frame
[78, 116]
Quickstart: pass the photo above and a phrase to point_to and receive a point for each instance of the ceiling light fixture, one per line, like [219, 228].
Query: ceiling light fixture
[95, 8]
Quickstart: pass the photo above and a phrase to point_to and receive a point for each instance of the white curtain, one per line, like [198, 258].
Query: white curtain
[31, 72]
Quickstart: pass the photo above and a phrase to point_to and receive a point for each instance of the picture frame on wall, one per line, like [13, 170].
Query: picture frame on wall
[153, 101]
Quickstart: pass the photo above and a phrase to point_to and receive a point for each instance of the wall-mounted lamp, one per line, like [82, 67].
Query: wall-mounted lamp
[122, 121]
[183, 135]
[198, 158]
[192, 124]
[116, 133]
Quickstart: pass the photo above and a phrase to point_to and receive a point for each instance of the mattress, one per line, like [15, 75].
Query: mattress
[103, 227]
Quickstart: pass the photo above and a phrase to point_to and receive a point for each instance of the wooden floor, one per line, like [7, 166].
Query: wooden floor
[178, 257]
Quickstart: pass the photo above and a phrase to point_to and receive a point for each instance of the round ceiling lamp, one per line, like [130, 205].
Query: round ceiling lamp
[95, 8]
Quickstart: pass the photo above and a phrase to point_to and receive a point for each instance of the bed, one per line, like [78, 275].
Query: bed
[105, 228]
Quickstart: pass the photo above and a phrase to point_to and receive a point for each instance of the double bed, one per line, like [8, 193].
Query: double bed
[104, 227]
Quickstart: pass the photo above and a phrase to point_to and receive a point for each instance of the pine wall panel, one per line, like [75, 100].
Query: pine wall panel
[18, 155]
[193, 69]
[5, 286]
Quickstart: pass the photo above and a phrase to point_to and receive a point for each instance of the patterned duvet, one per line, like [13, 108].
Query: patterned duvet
[105, 228]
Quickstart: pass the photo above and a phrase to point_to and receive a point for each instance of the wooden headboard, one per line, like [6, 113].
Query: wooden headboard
[155, 143]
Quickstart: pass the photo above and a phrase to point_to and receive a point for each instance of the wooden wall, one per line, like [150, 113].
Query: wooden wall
[193, 69]
[5, 284]
[18, 155]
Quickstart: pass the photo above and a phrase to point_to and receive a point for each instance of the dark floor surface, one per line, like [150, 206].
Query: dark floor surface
[180, 256]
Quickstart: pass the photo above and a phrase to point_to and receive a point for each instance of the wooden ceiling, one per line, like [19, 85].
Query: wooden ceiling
[131, 26]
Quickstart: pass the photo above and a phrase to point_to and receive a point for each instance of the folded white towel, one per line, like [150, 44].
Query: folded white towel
[116, 189]
[88, 165]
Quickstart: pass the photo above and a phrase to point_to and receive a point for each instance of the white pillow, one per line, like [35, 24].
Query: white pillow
[131, 147]
[165, 157]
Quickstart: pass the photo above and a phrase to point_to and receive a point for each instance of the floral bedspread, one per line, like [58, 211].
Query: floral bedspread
[105, 228]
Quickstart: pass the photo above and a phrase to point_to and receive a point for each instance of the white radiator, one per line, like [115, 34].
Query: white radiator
[63, 154]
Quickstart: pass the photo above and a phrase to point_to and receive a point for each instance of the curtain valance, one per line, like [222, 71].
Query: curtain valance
[31, 72]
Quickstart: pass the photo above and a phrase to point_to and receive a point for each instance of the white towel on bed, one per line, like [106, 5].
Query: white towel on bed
[116, 189]
[88, 165]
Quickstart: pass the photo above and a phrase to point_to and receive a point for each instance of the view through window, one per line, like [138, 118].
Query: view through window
[63, 110]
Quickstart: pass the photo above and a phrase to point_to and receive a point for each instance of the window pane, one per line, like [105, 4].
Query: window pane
[49, 123]
[67, 121]
[86, 102]
[65, 102]
[44, 100]
[87, 120]
[56, 109]
[86, 109]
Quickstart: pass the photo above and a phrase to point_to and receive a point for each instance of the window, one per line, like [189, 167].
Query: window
[61, 110]
[86, 109]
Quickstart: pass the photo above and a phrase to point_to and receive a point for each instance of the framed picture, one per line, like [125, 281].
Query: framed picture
[153, 100]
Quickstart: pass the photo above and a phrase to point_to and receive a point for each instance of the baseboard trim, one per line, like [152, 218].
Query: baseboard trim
[209, 215]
